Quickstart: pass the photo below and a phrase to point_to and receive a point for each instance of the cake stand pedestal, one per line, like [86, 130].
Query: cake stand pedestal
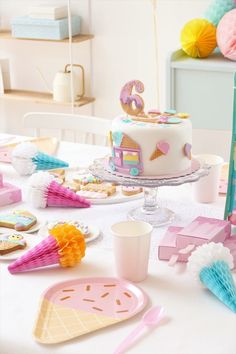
[150, 211]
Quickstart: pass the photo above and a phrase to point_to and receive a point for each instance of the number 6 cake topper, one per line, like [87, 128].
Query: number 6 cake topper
[129, 100]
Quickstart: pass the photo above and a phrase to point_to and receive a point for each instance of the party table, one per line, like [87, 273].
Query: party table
[195, 321]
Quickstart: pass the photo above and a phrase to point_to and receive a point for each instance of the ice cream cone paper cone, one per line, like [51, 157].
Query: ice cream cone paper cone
[43, 254]
[218, 279]
[47, 162]
[157, 153]
[58, 195]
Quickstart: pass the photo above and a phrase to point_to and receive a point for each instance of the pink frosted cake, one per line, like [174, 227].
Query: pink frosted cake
[151, 144]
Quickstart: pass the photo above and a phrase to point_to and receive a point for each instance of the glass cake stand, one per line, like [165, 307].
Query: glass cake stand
[150, 211]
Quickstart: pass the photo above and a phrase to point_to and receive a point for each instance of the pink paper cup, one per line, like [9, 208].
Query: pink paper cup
[206, 189]
[131, 242]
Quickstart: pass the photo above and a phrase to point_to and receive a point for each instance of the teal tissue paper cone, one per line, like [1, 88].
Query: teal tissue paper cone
[47, 162]
[218, 279]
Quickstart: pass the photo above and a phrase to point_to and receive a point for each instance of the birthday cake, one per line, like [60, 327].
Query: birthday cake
[152, 144]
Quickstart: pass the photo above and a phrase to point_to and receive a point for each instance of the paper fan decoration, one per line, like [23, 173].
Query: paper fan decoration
[211, 263]
[44, 191]
[198, 38]
[26, 159]
[64, 246]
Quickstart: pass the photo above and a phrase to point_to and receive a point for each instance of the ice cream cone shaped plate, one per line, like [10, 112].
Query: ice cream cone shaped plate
[76, 307]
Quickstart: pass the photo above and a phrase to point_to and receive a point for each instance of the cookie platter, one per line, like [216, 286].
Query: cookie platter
[97, 191]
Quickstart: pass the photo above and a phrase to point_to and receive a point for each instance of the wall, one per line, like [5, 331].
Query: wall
[123, 49]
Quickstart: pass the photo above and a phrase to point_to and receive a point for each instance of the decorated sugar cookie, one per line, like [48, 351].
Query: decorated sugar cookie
[85, 179]
[20, 220]
[92, 194]
[11, 242]
[106, 188]
[130, 190]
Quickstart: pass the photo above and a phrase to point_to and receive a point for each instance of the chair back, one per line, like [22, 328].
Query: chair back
[89, 128]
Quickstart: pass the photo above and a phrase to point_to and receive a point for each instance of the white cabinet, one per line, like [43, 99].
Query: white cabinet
[203, 88]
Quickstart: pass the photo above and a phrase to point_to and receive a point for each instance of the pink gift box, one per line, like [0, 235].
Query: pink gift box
[203, 230]
[230, 243]
[9, 194]
[167, 247]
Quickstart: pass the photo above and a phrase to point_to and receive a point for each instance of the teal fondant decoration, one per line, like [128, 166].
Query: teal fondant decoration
[174, 120]
[134, 171]
[117, 137]
[170, 111]
[127, 120]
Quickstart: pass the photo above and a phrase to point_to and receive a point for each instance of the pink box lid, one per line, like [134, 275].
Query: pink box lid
[169, 238]
[204, 228]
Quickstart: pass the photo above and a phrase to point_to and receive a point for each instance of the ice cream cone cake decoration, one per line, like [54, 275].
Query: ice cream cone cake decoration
[162, 148]
[44, 191]
[64, 246]
[26, 159]
[76, 307]
[211, 264]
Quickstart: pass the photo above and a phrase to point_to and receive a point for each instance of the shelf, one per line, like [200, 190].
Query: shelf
[41, 97]
[215, 62]
[6, 34]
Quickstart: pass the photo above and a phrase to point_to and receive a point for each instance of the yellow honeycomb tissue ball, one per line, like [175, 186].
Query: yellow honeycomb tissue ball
[198, 38]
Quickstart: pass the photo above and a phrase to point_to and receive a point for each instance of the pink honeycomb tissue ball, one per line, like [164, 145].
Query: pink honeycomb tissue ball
[226, 35]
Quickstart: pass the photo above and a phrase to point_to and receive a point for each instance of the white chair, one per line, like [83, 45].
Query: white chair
[88, 127]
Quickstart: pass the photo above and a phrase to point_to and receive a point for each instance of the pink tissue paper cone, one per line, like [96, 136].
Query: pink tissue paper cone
[58, 195]
[43, 254]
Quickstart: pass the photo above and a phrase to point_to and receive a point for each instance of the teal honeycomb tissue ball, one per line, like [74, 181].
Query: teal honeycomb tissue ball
[217, 9]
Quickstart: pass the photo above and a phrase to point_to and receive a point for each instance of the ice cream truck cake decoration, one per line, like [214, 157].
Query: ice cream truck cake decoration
[126, 154]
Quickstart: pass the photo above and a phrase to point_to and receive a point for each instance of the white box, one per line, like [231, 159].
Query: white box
[48, 12]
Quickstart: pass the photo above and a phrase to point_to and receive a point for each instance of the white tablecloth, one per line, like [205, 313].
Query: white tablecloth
[196, 322]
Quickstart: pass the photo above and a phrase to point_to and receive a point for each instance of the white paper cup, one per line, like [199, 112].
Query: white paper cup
[206, 189]
[131, 240]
